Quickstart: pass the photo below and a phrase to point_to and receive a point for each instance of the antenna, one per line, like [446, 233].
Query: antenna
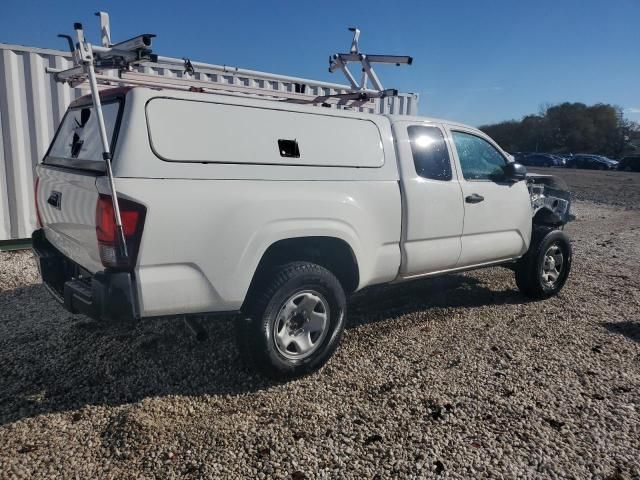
[341, 61]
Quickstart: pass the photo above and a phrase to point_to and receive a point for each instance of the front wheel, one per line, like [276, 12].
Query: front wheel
[544, 269]
[294, 322]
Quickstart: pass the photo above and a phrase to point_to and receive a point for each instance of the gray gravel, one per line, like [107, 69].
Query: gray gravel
[457, 377]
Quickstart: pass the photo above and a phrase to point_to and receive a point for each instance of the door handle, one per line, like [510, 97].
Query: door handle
[474, 198]
[54, 199]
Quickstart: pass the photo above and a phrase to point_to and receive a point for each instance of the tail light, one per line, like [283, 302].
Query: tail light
[133, 215]
[35, 193]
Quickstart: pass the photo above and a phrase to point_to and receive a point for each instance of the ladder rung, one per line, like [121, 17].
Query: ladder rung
[149, 80]
[156, 80]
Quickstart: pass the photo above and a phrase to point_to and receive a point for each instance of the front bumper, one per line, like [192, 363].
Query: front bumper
[107, 295]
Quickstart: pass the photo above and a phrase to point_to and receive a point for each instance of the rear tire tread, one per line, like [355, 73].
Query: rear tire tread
[253, 331]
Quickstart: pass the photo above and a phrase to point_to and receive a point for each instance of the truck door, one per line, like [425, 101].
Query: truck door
[497, 212]
[432, 200]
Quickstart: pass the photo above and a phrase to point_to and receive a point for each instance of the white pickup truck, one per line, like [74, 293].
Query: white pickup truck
[279, 211]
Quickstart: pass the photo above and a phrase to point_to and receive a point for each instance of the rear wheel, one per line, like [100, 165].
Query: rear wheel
[544, 269]
[294, 322]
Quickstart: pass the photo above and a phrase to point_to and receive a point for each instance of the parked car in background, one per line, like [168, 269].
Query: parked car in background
[591, 162]
[610, 161]
[630, 164]
[540, 160]
[562, 159]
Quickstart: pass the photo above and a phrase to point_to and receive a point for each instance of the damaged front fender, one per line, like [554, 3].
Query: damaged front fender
[550, 200]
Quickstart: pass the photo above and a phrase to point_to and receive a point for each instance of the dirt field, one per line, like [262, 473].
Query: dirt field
[612, 188]
[457, 377]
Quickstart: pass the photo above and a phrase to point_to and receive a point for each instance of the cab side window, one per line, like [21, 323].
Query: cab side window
[479, 160]
[430, 155]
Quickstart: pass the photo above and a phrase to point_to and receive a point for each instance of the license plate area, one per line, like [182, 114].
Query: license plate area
[56, 269]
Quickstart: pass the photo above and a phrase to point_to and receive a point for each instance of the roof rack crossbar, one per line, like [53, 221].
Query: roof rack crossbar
[340, 61]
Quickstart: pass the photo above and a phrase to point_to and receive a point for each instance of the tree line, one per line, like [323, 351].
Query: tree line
[570, 128]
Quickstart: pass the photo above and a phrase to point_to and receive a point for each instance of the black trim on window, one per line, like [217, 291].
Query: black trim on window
[91, 165]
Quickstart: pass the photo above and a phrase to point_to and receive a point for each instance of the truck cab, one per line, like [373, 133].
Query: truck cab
[462, 209]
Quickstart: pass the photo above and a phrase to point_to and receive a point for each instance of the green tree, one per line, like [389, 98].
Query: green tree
[567, 128]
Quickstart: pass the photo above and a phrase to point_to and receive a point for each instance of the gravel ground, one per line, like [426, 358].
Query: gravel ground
[457, 377]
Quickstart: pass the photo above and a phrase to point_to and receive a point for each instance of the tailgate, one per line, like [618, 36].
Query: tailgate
[67, 206]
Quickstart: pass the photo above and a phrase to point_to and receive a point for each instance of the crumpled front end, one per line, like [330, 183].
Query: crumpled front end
[550, 200]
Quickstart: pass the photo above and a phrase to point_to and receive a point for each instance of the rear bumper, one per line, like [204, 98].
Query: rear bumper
[106, 295]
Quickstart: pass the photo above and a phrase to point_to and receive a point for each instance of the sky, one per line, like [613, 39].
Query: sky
[476, 62]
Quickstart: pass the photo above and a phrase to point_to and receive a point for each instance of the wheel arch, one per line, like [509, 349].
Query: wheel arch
[545, 217]
[333, 253]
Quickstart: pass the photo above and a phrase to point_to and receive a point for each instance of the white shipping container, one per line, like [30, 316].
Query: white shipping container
[32, 105]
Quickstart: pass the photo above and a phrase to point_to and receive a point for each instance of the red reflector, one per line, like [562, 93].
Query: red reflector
[105, 221]
[35, 193]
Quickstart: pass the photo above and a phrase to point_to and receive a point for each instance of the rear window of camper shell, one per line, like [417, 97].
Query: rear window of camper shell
[77, 142]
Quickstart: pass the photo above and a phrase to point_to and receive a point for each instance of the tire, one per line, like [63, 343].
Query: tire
[284, 335]
[538, 275]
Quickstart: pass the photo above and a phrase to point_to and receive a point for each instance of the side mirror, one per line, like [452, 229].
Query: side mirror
[515, 172]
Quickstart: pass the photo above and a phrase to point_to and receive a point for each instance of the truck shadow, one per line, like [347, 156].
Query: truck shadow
[51, 361]
[450, 291]
[629, 329]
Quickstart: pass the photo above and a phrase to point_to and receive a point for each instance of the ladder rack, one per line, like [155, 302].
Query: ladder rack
[134, 78]
[130, 63]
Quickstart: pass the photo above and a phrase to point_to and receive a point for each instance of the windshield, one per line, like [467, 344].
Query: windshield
[77, 143]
